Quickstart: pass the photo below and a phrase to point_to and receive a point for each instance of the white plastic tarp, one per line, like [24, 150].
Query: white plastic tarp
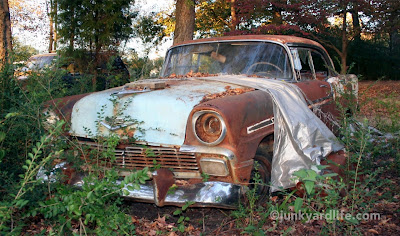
[301, 139]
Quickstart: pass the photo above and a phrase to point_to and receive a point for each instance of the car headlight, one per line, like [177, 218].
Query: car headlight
[209, 127]
[51, 119]
[215, 167]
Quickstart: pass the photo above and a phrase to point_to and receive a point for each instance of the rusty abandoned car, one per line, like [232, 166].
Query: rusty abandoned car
[220, 106]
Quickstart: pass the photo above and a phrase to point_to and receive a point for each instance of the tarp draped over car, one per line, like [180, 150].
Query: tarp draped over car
[301, 139]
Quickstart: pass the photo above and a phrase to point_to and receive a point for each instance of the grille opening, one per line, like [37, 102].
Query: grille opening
[139, 157]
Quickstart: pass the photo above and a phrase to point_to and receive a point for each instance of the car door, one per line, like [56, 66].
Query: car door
[313, 68]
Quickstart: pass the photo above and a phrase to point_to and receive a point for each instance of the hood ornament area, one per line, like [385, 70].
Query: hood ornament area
[115, 124]
[142, 87]
[124, 92]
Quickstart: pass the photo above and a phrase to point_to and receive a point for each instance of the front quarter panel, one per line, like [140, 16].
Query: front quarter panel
[239, 112]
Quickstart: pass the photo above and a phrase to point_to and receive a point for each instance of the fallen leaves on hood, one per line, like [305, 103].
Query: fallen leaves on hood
[227, 92]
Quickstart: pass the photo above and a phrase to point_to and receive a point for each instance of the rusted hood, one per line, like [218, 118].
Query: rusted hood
[157, 116]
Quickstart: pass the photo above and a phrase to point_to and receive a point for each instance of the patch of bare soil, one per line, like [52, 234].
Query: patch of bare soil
[150, 219]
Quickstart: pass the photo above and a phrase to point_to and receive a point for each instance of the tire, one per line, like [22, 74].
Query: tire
[262, 165]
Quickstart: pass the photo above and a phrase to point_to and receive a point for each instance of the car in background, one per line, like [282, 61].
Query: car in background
[111, 72]
[36, 63]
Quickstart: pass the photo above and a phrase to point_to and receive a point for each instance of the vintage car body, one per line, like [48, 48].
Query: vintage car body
[194, 122]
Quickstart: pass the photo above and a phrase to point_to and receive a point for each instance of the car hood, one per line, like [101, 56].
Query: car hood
[157, 116]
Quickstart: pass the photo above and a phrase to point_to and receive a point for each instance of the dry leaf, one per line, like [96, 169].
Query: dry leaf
[373, 231]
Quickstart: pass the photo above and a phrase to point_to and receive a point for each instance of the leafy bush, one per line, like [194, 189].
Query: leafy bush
[26, 147]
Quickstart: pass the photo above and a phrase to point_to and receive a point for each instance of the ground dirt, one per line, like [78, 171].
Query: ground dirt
[152, 220]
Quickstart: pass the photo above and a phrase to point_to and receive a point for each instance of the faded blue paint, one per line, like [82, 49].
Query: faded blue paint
[164, 112]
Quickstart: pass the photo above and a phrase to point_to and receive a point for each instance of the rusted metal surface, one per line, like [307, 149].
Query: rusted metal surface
[302, 137]
[239, 112]
[163, 179]
[336, 162]
[63, 106]
[320, 97]
[184, 164]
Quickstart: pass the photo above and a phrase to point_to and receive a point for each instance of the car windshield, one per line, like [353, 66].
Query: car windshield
[262, 59]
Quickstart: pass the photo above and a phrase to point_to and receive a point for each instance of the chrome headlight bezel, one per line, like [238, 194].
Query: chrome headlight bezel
[51, 118]
[199, 114]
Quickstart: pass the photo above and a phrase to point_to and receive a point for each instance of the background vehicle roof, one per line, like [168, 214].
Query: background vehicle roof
[284, 39]
[51, 54]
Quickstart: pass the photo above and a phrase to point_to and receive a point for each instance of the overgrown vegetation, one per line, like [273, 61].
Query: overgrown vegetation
[29, 150]
[329, 204]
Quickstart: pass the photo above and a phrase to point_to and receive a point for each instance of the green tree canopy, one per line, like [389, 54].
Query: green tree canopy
[95, 24]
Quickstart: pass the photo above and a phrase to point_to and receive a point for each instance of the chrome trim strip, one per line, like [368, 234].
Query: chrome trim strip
[260, 125]
[208, 150]
[322, 99]
[116, 127]
[124, 92]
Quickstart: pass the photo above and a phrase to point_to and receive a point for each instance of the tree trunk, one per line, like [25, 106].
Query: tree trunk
[98, 45]
[185, 16]
[71, 41]
[5, 36]
[356, 22]
[233, 15]
[51, 36]
[72, 33]
[55, 25]
[343, 55]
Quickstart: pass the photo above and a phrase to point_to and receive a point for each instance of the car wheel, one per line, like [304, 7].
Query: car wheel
[262, 166]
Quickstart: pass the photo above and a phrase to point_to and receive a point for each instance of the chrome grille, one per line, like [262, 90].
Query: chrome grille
[138, 157]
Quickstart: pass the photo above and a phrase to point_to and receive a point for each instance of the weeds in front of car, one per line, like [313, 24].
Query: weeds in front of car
[95, 206]
[26, 149]
[182, 221]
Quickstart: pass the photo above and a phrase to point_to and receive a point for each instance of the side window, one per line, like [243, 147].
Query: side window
[320, 66]
[309, 64]
[303, 63]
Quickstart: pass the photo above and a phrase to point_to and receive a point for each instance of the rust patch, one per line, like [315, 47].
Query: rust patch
[336, 161]
[227, 92]
[63, 106]
[163, 180]
[182, 183]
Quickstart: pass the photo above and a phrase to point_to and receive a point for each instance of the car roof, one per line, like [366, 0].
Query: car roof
[284, 39]
[52, 54]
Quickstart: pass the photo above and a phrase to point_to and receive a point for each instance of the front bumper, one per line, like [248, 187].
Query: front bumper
[217, 194]
[204, 194]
